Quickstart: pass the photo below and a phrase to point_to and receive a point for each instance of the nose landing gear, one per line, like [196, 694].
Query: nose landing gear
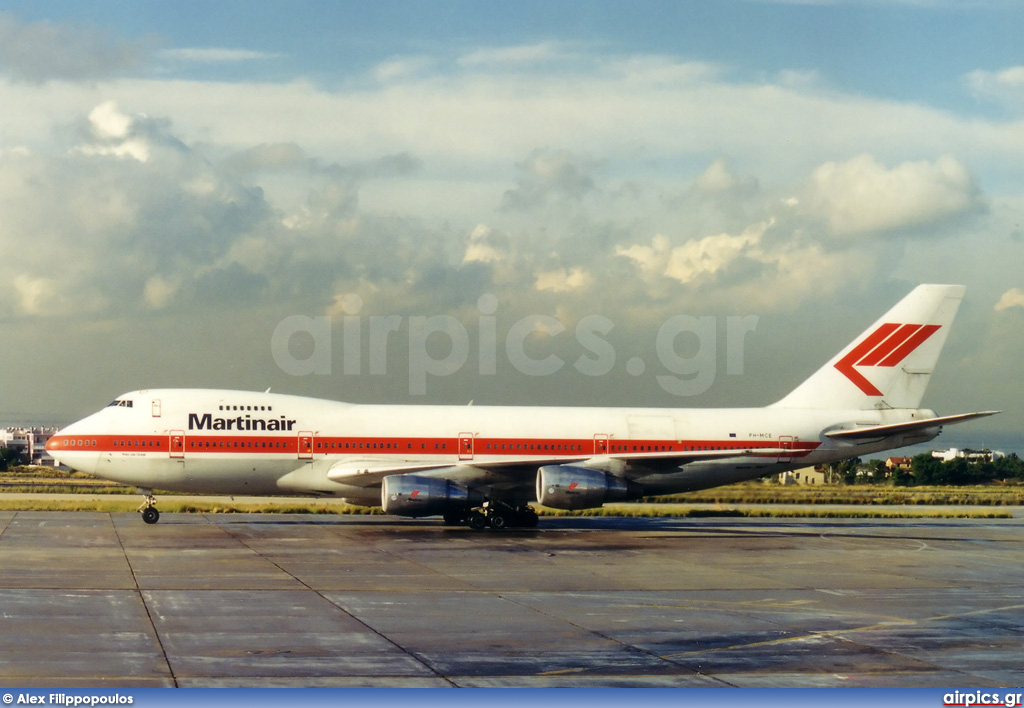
[149, 511]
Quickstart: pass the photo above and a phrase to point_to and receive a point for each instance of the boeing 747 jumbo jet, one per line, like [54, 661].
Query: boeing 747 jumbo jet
[484, 465]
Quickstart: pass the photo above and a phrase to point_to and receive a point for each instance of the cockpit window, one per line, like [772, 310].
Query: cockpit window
[121, 403]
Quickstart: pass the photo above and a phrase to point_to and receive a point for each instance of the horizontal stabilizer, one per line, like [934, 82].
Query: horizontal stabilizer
[880, 431]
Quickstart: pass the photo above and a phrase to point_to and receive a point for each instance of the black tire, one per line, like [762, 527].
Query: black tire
[150, 515]
[498, 520]
[477, 521]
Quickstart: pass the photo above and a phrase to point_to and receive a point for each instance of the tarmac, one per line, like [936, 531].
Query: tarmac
[92, 599]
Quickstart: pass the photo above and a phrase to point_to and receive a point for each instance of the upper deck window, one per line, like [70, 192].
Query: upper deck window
[121, 403]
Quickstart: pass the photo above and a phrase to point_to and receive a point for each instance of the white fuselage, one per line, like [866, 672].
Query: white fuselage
[233, 442]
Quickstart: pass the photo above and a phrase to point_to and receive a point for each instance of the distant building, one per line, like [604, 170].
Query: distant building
[804, 475]
[898, 463]
[954, 453]
[30, 443]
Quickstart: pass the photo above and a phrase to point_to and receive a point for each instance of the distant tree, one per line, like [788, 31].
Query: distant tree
[927, 470]
[879, 472]
[902, 477]
[849, 469]
[1009, 467]
[9, 457]
[983, 472]
[957, 471]
[843, 471]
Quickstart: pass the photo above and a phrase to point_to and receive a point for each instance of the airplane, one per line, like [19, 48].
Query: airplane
[485, 465]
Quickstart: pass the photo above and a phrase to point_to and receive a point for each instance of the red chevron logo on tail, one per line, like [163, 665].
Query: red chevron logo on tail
[887, 346]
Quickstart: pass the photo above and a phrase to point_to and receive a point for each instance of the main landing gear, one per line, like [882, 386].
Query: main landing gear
[149, 512]
[495, 515]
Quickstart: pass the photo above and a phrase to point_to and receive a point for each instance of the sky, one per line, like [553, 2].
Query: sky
[675, 204]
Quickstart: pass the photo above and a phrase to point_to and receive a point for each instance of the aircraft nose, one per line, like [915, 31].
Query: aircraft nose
[77, 445]
[52, 446]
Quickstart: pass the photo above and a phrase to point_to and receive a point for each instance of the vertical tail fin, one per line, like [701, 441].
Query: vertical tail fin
[890, 363]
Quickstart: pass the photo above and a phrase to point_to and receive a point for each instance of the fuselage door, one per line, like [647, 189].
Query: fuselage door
[305, 445]
[787, 443]
[465, 446]
[600, 444]
[176, 443]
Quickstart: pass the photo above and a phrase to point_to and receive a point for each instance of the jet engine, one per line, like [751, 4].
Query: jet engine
[568, 487]
[414, 495]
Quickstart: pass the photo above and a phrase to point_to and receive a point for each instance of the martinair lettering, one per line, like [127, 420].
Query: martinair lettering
[207, 422]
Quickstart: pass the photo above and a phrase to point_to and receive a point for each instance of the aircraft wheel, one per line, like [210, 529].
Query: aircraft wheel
[498, 520]
[150, 515]
[477, 521]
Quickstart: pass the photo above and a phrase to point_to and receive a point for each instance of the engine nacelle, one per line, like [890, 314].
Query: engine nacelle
[568, 487]
[413, 495]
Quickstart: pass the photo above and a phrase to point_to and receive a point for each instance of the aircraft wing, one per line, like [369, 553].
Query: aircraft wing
[881, 431]
[668, 460]
[368, 472]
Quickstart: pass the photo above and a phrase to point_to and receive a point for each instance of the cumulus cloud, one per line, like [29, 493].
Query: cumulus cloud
[184, 222]
[485, 245]
[549, 176]
[112, 130]
[34, 294]
[862, 195]
[43, 51]
[710, 255]
[719, 177]
[120, 219]
[1005, 85]
[290, 157]
[558, 191]
[635, 114]
[158, 292]
[651, 259]
[1014, 297]
[698, 260]
[562, 280]
[268, 157]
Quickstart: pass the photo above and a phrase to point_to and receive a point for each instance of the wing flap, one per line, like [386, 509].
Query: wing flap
[367, 472]
[668, 460]
[370, 472]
